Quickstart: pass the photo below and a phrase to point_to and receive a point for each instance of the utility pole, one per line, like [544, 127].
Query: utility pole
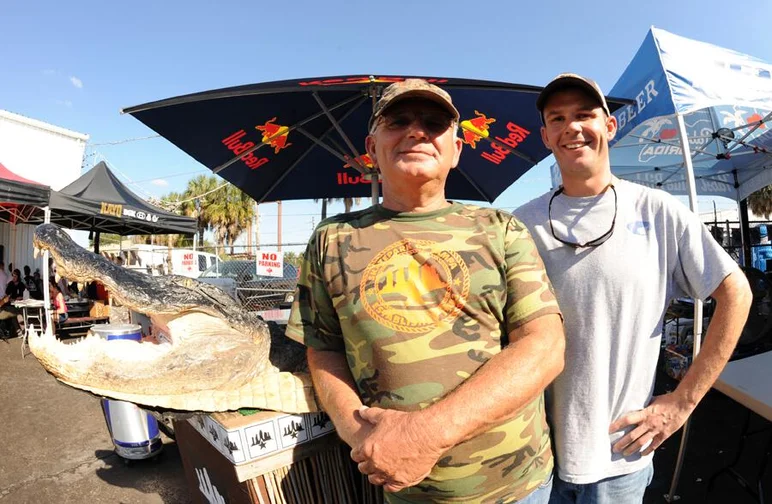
[257, 227]
[249, 237]
[278, 224]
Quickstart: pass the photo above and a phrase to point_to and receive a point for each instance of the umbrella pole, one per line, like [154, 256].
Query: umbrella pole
[374, 187]
[690, 184]
[376, 175]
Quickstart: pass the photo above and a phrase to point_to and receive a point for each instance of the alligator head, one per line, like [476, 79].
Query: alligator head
[206, 352]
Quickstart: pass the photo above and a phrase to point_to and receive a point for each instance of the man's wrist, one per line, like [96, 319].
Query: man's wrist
[438, 432]
[684, 398]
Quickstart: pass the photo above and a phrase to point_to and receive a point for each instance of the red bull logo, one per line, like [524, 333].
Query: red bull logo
[360, 178]
[476, 129]
[363, 160]
[274, 135]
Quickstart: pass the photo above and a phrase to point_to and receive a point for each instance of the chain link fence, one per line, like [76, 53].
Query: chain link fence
[260, 278]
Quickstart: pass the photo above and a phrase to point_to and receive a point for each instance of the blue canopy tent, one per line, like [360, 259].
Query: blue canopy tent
[701, 123]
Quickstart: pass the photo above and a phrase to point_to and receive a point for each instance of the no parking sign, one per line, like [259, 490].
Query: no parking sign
[270, 264]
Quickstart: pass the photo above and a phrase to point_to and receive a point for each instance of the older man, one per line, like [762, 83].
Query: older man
[431, 326]
[617, 253]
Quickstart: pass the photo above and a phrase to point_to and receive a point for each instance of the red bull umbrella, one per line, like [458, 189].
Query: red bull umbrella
[304, 139]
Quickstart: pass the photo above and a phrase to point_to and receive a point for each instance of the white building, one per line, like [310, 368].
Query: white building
[43, 153]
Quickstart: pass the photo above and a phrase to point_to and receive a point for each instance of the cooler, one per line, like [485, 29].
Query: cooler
[134, 431]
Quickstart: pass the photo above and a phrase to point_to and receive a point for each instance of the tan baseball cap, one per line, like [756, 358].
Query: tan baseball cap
[411, 88]
[568, 80]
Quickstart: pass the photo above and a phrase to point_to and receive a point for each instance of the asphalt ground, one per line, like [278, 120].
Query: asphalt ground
[55, 447]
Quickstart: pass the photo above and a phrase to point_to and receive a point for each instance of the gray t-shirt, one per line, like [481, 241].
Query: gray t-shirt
[614, 299]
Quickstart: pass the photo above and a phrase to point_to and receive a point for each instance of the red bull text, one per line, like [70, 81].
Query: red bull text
[235, 145]
[503, 147]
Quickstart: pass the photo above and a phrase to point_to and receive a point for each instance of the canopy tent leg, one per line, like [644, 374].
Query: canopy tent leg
[745, 233]
[46, 273]
[690, 184]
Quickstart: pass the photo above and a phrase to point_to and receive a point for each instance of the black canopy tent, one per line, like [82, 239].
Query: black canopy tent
[99, 202]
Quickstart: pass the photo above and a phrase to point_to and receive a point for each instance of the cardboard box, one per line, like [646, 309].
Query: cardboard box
[245, 438]
[318, 470]
[99, 309]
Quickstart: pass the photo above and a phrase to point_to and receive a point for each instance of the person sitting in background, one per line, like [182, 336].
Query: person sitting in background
[30, 283]
[15, 288]
[3, 276]
[74, 290]
[57, 298]
[9, 314]
[38, 282]
[64, 287]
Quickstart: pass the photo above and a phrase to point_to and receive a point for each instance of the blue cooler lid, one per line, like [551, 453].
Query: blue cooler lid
[118, 331]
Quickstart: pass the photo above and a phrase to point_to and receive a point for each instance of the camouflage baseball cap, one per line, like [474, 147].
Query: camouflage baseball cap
[411, 88]
[569, 80]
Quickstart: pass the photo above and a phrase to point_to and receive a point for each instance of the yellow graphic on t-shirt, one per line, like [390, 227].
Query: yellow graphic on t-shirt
[411, 288]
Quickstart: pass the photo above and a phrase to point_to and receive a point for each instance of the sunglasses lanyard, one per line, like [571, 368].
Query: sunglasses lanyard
[591, 243]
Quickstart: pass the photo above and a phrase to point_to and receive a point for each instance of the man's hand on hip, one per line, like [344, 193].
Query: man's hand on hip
[653, 424]
[399, 451]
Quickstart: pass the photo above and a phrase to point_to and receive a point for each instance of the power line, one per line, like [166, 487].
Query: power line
[127, 140]
[178, 203]
[181, 174]
[112, 165]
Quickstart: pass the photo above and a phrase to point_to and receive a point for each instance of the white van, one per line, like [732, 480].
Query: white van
[159, 260]
[191, 263]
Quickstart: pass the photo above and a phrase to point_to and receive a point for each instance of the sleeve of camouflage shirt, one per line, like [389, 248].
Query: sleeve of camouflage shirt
[529, 291]
[313, 320]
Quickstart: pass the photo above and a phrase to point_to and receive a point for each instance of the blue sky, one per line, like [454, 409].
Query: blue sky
[76, 64]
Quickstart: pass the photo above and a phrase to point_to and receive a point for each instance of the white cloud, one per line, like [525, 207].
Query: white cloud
[76, 82]
[159, 182]
[65, 103]
[49, 71]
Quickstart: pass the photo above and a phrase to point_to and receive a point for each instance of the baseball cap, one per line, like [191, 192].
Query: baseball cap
[411, 88]
[568, 80]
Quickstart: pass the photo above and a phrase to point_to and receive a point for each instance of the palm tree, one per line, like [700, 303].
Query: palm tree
[171, 200]
[229, 214]
[201, 188]
[324, 205]
[348, 203]
[240, 209]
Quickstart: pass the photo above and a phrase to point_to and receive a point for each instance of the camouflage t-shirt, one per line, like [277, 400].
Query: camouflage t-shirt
[418, 302]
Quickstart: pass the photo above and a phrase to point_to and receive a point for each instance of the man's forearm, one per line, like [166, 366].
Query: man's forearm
[733, 300]
[502, 386]
[336, 390]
